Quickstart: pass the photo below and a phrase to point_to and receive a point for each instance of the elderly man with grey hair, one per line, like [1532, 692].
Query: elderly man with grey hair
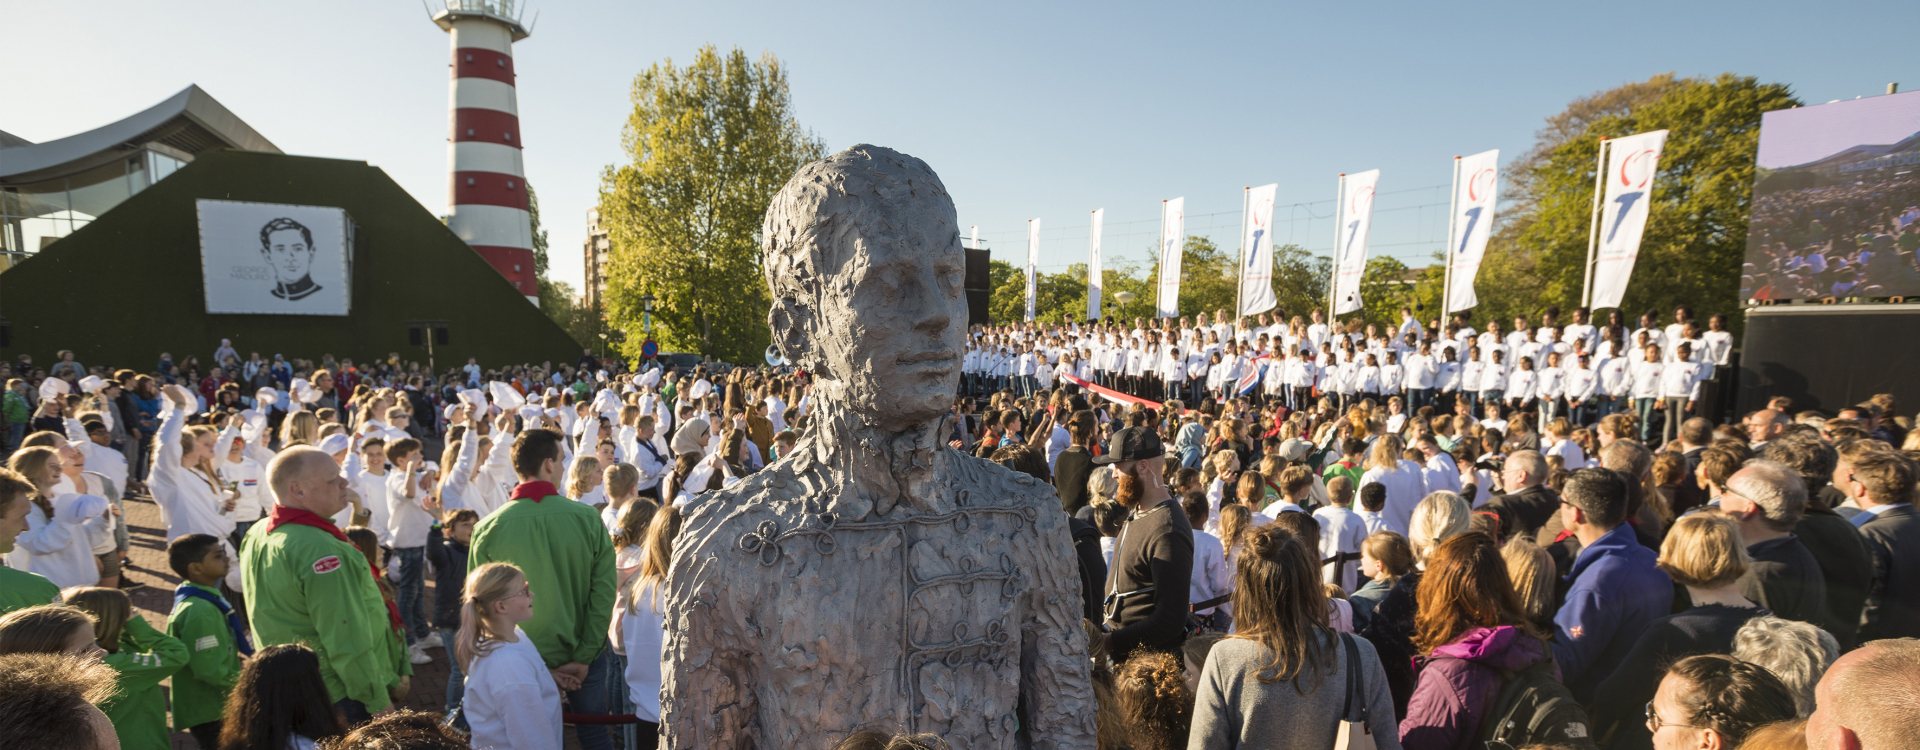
[1795, 652]
[1529, 503]
[1767, 499]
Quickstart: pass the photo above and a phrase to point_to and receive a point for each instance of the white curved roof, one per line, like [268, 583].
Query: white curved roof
[191, 121]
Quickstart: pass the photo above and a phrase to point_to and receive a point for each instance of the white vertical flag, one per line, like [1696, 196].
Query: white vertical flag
[1256, 248]
[1350, 256]
[1173, 239]
[1095, 280]
[1033, 259]
[1631, 164]
[1473, 201]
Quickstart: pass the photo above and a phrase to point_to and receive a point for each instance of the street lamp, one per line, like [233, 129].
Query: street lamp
[1124, 298]
[603, 345]
[646, 314]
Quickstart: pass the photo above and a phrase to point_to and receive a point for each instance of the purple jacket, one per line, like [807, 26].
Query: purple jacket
[1459, 684]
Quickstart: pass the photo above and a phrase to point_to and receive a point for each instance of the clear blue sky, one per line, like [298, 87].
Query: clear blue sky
[1025, 109]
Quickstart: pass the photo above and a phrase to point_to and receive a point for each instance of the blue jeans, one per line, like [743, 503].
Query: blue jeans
[596, 696]
[410, 589]
[1645, 409]
[456, 683]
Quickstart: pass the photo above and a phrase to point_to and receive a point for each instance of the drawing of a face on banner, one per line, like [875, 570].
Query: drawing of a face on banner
[273, 259]
[287, 246]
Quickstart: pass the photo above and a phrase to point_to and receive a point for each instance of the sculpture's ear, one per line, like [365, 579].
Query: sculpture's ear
[789, 320]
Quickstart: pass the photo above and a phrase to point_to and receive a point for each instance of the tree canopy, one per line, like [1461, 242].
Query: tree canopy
[708, 145]
[1696, 232]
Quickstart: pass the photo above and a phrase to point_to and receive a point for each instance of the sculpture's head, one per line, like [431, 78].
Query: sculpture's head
[862, 255]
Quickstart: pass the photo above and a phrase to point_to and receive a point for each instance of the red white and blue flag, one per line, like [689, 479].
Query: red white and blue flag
[1256, 368]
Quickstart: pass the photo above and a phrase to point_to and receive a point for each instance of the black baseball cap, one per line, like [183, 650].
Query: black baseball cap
[1132, 444]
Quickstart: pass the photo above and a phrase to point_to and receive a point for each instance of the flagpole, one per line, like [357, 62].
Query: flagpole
[1453, 210]
[1333, 282]
[1160, 282]
[1593, 221]
[1240, 291]
[1095, 274]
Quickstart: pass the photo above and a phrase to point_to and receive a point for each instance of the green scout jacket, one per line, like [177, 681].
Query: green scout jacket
[567, 556]
[302, 585]
[20, 589]
[139, 710]
[213, 662]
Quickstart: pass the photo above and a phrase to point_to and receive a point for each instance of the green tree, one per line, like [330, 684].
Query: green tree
[1696, 232]
[1207, 278]
[708, 145]
[1300, 280]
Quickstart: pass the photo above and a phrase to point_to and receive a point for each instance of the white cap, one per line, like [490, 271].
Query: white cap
[334, 444]
[53, 388]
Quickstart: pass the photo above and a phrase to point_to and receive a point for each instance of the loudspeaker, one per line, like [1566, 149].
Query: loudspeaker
[440, 336]
[977, 307]
[416, 336]
[979, 277]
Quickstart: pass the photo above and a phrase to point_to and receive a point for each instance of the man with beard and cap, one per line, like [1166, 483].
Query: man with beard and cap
[1147, 585]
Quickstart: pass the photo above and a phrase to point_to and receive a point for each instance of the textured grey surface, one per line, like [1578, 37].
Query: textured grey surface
[874, 578]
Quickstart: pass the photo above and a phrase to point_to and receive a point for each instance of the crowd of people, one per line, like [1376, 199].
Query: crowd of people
[1854, 238]
[1289, 534]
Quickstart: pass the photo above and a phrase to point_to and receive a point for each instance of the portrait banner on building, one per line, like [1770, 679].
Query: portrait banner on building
[1096, 282]
[1631, 164]
[275, 259]
[1473, 201]
[1350, 254]
[1173, 240]
[1256, 260]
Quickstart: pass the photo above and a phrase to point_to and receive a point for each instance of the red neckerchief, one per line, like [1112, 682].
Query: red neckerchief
[534, 490]
[283, 515]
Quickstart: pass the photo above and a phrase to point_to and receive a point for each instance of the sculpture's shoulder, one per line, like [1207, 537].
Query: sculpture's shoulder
[989, 484]
[714, 520]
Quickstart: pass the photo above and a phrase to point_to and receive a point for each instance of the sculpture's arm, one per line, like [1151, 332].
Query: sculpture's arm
[706, 694]
[1056, 691]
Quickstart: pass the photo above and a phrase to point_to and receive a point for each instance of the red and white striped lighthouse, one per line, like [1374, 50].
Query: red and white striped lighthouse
[488, 199]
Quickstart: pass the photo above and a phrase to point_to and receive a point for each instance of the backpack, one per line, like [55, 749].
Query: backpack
[1534, 707]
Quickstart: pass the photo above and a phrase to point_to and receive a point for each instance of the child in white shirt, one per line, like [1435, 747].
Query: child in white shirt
[512, 701]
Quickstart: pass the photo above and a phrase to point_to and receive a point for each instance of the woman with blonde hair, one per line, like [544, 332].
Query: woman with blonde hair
[640, 625]
[1387, 466]
[1439, 517]
[1531, 570]
[1282, 679]
[56, 543]
[583, 481]
[512, 701]
[1704, 553]
[189, 493]
[300, 428]
[141, 655]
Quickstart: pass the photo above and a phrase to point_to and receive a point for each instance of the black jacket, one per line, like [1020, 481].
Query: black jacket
[1150, 578]
[1785, 578]
[1893, 599]
[449, 560]
[1524, 512]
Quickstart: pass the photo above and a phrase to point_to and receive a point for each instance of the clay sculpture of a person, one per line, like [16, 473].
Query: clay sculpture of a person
[873, 577]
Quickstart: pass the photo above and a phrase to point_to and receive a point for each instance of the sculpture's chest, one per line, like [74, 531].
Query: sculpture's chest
[925, 607]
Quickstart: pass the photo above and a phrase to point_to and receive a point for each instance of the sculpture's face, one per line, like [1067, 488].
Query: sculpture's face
[894, 325]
